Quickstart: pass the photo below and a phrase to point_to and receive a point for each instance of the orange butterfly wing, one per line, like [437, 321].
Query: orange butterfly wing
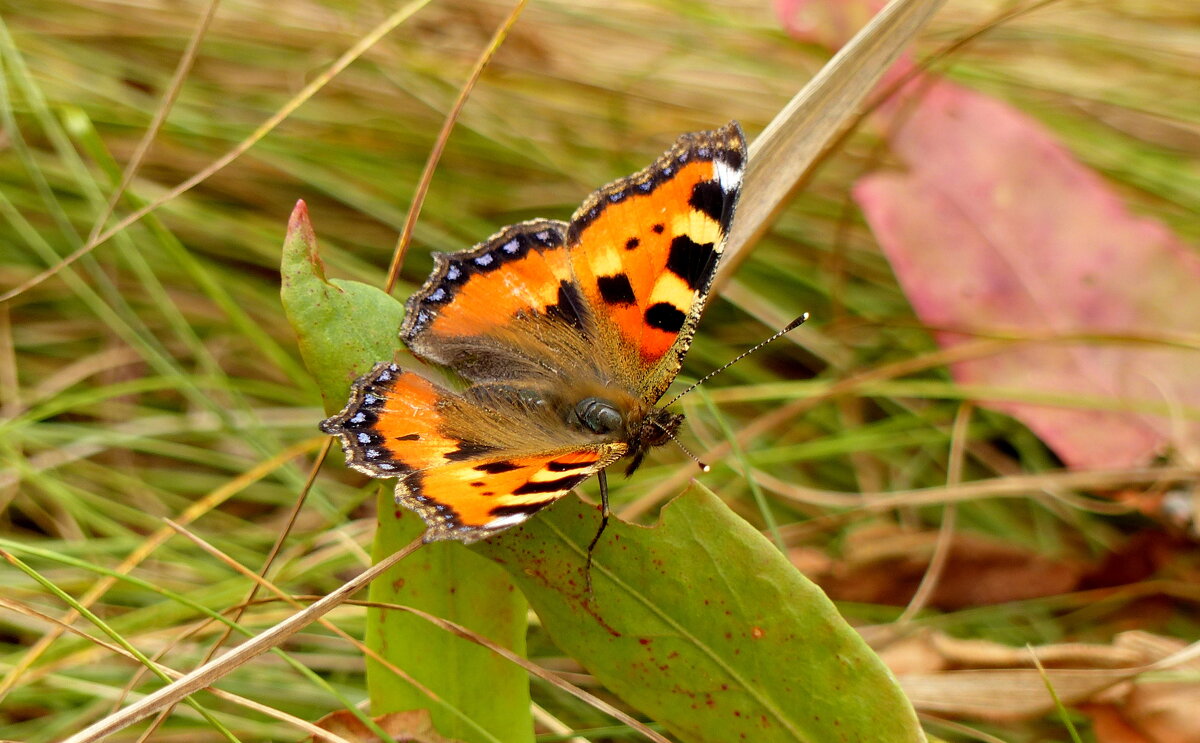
[479, 497]
[399, 424]
[521, 271]
[630, 272]
[391, 425]
[644, 249]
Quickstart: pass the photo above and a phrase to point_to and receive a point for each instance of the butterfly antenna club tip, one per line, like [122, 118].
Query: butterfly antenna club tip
[803, 318]
[703, 467]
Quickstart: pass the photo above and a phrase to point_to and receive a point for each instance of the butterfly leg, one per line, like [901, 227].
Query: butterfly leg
[587, 568]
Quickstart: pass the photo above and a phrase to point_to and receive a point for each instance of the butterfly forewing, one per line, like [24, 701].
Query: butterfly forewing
[645, 249]
[520, 272]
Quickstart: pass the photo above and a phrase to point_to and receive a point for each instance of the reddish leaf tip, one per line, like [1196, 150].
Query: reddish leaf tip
[299, 218]
[301, 241]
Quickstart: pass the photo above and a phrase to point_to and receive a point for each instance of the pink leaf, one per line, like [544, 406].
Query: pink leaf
[993, 225]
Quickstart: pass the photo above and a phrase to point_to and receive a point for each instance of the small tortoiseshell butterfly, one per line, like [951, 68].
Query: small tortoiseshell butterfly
[568, 333]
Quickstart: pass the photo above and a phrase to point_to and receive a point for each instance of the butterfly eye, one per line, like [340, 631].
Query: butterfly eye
[598, 416]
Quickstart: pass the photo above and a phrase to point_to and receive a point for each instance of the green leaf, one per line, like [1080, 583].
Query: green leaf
[450, 581]
[344, 328]
[703, 625]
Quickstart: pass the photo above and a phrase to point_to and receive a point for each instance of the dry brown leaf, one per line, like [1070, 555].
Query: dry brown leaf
[884, 565]
[1110, 727]
[909, 655]
[409, 726]
[1004, 694]
[958, 653]
[1111, 683]
[1141, 556]
[1161, 711]
[927, 652]
[1164, 711]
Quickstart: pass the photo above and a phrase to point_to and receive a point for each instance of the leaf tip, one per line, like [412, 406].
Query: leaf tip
[299, 215]
[300, 245]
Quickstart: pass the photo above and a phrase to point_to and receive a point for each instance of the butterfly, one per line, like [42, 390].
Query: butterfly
[566, 334]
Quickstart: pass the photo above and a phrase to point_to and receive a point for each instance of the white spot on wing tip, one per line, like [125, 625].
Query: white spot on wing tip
[506, 521]
[729, 177]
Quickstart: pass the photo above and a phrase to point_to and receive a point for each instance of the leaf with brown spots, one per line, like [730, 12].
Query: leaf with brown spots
[703, 625]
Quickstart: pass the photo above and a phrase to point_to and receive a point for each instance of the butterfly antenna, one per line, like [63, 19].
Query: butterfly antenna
[703, 467]
[790, 327]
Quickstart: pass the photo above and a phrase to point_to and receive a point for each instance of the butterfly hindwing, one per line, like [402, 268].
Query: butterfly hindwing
[454, 464]
[478, 497]
[391, 426]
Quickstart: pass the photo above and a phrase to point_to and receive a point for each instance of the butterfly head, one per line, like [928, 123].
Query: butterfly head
[657, 428]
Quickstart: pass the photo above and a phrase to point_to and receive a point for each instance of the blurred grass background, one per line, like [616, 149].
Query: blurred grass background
[159, 368]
